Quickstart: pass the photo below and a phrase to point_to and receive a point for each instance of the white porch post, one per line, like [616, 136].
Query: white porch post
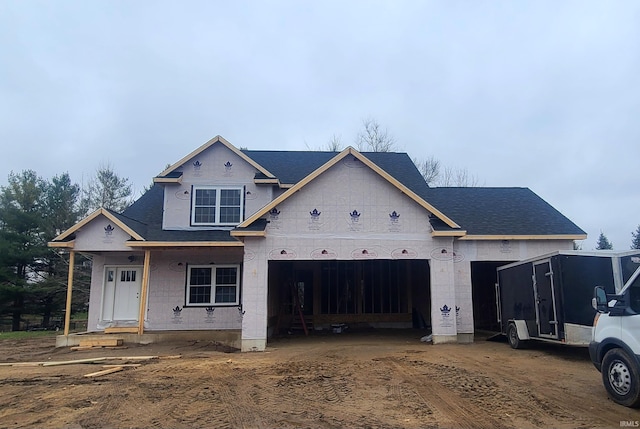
[67, 314]
[254, 297]
[143, 292]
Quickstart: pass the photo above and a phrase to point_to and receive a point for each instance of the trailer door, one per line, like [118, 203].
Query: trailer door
[546, 316]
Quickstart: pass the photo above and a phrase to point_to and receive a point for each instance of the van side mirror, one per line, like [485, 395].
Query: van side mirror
[599, 301]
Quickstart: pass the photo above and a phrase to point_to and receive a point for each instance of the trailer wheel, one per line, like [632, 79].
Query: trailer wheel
[512, 337]
[620, 377]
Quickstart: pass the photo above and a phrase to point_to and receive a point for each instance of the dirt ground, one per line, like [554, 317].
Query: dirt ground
[372, 379]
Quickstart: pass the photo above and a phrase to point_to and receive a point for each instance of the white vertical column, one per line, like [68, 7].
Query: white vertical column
[443, 299]
[254, 296]
[464, 300]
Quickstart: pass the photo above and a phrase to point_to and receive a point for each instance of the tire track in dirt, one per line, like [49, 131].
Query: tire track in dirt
[234, 407]
[449, 407]
[319, 392]
[514, 385]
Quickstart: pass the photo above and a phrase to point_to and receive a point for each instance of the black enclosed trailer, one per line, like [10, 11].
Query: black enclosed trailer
[549, 297]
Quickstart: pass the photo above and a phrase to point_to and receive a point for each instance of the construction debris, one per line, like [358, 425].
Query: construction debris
[105, 371]
[92, 360]
[72, 362]
[103, 342]
[125, 365]
[85, 348]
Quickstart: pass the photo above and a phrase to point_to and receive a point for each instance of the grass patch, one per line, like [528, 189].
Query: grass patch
[79, 316]
[19, 335]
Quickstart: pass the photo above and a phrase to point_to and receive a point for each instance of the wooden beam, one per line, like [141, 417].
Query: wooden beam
[105, 371]
[121, 330]
[102, 342]
[124, 365]
[145, 288]
[74, 362]
[67, 314]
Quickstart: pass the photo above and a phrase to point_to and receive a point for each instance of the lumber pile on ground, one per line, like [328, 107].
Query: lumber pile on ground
[103, 343]
[108, 368]
[92, 360]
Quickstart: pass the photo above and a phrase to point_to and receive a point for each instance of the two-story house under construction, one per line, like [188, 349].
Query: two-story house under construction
[245, 244]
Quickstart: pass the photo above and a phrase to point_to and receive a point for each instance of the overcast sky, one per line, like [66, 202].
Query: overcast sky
[544, 95]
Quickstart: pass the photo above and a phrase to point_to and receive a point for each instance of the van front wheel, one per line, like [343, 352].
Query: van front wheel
[620, 378]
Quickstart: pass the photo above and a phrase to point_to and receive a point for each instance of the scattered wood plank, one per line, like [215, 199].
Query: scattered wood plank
[102, 342]
[105, 371]
[133, 357]
[89, 360]
[83, 348]
[125, 365]
[21, 364]
[77, 361]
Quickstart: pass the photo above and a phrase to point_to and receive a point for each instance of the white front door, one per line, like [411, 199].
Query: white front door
[121, 299]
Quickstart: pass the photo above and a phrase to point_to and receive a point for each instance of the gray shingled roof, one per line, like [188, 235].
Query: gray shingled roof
[499, 211]
[479, 211]
[289, 167]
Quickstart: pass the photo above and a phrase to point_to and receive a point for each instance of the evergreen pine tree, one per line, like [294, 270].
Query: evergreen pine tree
[604, 243]
[635, 242]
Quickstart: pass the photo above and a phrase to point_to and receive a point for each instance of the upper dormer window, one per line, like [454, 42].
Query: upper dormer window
[217, 205]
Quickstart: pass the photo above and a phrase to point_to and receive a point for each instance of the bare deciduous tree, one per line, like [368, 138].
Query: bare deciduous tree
[429, 168]
[436, 175]
[459, 177]
[374, 138]
[335, 143]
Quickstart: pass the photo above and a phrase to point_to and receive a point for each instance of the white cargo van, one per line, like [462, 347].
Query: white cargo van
[615, 345]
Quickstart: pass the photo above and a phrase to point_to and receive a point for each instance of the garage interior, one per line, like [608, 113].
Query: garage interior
[315, 295]
[368, 293]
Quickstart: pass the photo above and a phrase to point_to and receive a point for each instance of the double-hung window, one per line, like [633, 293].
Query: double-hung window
[213, 285]
[215, 205]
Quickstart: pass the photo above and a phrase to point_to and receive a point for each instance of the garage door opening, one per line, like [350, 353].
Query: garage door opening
[319, 294]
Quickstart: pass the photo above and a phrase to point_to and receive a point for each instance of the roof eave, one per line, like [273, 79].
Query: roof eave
[62, 244]
[454, 233]
[176, 180]
[185, 244]
[526, 237]
[248, 233]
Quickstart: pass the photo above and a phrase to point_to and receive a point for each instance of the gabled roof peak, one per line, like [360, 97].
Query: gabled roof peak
[220, 140]
[366, 161]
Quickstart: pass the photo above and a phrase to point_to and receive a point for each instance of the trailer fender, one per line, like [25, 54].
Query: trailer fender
[521, 326]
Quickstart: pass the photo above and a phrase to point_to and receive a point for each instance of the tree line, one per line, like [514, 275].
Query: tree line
[603, 242]
[33, 211]
[374, 138]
